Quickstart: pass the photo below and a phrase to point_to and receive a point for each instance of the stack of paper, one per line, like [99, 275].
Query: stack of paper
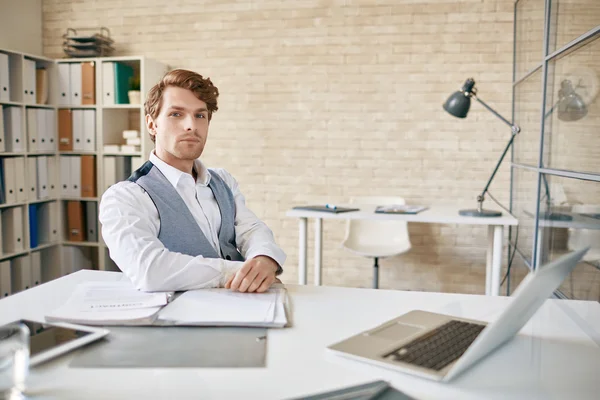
[223, 307]
[109, 303]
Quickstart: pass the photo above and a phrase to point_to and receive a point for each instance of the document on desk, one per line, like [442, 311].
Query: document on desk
[223, 307]
[110, 303]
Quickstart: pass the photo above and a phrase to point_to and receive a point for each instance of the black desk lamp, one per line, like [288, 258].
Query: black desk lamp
[458, 104]
[570, 108]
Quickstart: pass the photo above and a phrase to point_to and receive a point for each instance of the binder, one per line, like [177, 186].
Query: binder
[65, 176]
[10, 180]
[32, 129]
[65, 130]
[4, 78]
[108, 84]
[2, 136]
[29, 82]
[20, 179]
[77, 130]
[88, 83]
[51, 139]
[89, 130]
[42, 177]
[64, 84]
[75, 81]
[75, 176]
[5, 277]
[32, 178]
[75, 218]
[43, 223]
[88, 176]
[52, 184]
[36, 268]
[1, 239]
[110, 166]
[12, 235]
[42, 140]
[13, 129]
[33, 226]
[122, 73]
[41, 86]
[91, 221]
[20, 273]
[2, 187]
[53, 219]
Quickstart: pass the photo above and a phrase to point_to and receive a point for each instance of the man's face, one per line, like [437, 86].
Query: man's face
[181, 127]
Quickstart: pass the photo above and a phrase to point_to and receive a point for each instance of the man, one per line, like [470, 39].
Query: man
[176, 225]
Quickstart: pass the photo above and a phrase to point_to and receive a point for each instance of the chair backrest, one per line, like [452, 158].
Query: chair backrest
[580, 238]
[377, 232]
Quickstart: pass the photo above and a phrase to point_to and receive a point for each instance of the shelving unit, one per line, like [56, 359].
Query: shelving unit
[62, 256]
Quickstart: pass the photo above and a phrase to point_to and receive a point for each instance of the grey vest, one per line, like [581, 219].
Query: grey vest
[179, 231]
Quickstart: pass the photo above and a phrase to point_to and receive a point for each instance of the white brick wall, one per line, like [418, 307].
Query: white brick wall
[324, 100]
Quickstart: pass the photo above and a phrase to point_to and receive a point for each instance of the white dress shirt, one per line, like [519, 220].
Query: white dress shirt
[130, 228]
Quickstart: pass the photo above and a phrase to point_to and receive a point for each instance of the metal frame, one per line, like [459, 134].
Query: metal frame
[539, 169]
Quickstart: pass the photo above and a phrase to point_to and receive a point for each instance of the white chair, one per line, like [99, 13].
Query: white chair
[376, 239]
[579, 238]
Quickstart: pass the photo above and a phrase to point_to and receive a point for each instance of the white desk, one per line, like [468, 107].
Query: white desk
[442, 214]
[556, 355]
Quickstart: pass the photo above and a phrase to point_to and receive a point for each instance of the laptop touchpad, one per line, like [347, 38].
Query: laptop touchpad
[396, 331]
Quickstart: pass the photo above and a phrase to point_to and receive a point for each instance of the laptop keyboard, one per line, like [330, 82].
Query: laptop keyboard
[440, 347]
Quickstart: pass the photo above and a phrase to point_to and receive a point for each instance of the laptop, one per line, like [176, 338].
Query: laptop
[440, 347]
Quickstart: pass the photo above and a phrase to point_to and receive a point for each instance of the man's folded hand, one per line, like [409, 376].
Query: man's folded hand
[256, 275]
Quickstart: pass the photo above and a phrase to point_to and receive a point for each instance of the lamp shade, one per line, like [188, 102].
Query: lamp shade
[459, 102]
[571, 106]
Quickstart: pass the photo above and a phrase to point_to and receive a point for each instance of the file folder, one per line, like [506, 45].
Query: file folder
[65, 176]
[10, 180]
[51, 138]
[52, 178]
[64, 84]
[75, 82]
[75, 227]
[13, 129]
[33, 226]
[5, 278]
[53, 216]
[32, 129]
[42, 177]
[42, 141]
[89, 130]
[75, 176]
[36, 268]
[110, 166]
[41, 86]
[32, 178]
[77, 130]
[122, 73]
[43, 223]
[91, 221]
[2, 135]
[20, 179]
[29, 82]
[108, 84]
[20, 273]
[88, 176]
[88, 83]
[4, 78]
[2, 187]
[65, 130]
[13, 236]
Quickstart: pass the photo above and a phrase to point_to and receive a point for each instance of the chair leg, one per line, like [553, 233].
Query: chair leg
[376, 274]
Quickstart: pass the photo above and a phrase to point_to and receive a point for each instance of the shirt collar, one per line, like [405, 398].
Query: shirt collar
[174, 175]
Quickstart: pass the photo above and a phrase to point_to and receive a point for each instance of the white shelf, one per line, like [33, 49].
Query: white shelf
[11, 103]
[80, 106]
[43, 200]
[82, 244]
[122, 106]
[44, 246]
[47, 106]
[135, 154]
[4, 256]
[76, 153]
[79, 198]
[41, 153]
[12, 154]
[12, 205]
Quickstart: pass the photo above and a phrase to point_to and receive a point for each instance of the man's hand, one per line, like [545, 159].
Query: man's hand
[256, 275]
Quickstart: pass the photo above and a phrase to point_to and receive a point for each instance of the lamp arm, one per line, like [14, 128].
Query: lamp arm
[490, 109]
[515, 130]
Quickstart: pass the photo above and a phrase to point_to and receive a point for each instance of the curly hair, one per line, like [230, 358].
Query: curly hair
[202, 88]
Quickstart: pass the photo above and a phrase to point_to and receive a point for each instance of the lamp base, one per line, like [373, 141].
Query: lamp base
[554, 216]
[476, 213]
